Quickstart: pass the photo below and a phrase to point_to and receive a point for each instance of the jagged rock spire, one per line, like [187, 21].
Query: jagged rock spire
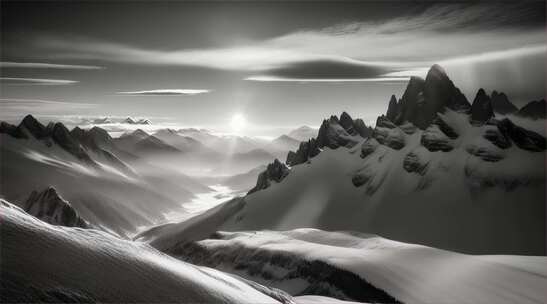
[423, 99]
[50, 207]
[275, 172]
[481, 110]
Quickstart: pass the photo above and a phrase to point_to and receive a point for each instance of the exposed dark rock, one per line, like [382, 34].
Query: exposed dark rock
[445, 128]
[387, 133]
[34, 127]
[12, 130]
[362, 129]
[523, 138]
[481, 110]
[332, 135]
[392, 109]
[484, 153]
[51, 208]
[257, 263]
[435, 140]
[384, 122]
[275, 172]
[368, 147]
[533, 110]
[305, 151]
[501, 104]
[414, 164]
[347, 123]
[497, 138]
[61, 136]
[423, 99]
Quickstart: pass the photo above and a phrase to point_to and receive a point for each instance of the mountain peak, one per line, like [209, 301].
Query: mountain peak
[50, 207]
[501, 104]
[37, 129]
[481, 109]
[275, 172]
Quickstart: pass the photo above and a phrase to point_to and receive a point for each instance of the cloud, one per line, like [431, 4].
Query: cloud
[307, 80]
[165, 92]
[43, 65]
[35, 81]
[12, 107]
[362, 50]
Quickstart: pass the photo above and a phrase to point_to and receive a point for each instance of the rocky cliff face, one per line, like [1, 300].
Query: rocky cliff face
[533, 110]
[49, 207]
[501, 104]
[481, 110]
[275, 172]
[423, 99]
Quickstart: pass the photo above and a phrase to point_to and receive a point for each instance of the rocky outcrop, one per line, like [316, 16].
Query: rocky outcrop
[495, 136]
[445, 127]
[392, 109]
[481, 110]
[34, 127]
[275, 172]
[388, 134]
[12, 130]
[501, 104]
[415, 163]
[305, 152]
[523, 138]
[533, 110]
[368, 147]
[60, 135]
[484, 153]
[49, 207]
[423, 99]
[433, 139]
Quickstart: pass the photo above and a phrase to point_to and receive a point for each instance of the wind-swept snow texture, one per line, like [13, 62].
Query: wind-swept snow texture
[44, 263]
[410, 273]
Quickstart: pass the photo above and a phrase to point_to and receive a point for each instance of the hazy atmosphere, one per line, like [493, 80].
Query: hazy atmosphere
[198, 64]
[289, 152]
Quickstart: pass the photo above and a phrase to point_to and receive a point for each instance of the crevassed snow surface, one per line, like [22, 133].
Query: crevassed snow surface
[410, 273]
[41, 262]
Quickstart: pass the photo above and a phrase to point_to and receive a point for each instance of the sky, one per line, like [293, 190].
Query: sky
[259, 67]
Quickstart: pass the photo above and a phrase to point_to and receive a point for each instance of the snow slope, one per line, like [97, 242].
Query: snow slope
[454, 199]
[44, 263]
[408, 272]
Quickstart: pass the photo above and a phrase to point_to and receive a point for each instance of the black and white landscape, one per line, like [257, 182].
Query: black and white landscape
[273, 152]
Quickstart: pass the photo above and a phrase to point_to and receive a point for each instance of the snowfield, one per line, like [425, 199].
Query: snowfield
[408, 272]
[44, 263]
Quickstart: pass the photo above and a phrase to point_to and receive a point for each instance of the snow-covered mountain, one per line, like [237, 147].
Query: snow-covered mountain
[42, 263]
[49, 207]
[433, 162]
[303, 133]
[108, 187]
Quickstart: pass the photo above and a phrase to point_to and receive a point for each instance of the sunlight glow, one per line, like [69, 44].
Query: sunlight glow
[238, 122]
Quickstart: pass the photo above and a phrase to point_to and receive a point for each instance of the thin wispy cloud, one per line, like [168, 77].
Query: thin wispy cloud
[307, 80]
[14, 107]
[440, 33]
[35, 81]
[165, 92]
[43, 65]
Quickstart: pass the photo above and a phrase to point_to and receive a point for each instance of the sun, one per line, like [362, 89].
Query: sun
[238, 122]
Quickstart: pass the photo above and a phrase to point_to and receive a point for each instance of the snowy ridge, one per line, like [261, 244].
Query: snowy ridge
[59, 264]
[410, 273]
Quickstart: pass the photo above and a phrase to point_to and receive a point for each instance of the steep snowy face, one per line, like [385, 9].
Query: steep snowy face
[42, 263]
[365, 267]
[49, 207]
